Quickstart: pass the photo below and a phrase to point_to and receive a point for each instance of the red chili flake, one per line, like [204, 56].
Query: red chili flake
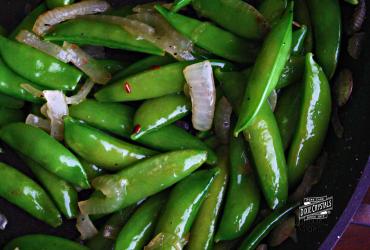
[84, 61]
[74, 46]
[154, 67]
[127, 87]
[137, 128]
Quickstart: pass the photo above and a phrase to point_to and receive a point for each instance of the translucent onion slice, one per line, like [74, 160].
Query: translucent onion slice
[52, 17]
[87, 64]
[111, 186]
[85, 226]
[149, 7]
[57, 108]
[100, 205]
[81, 94]
[201, 83]
[3, 222]
[273, 100]
[31, 89]
[38, 122]
[222, 120]
[29, 38]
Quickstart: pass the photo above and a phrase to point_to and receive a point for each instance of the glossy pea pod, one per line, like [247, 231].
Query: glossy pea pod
[313, 122]
[39, 67]
[22, 191]
[141, 180]
[265, 145]
[118, 119]
[107, 235]
[79, 31]
[91, 169]
[168, 109]
[326, 25]
[302, 16]
[204, 227]
[265, 226]
[138, 230]
[237, 16]
[63, 194]
[100, 148]
[10, 102]
[10, 84]
[112, 66]
[211, 38]
[272, 10]
[242, 197]
[9, 115]
[43, 242]
[36, 144]
[58, 3]
[28, 22]
[184, 204]
[266, 71]
[286, 112]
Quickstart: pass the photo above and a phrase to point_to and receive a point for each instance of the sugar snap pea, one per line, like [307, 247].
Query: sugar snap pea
[99, 148]
[267, 69]
[292, 72]
[272, 10]
[298, 39]
[91, 169]
[10, 102]
[36, 144]
[9, 115]
[22, 191]
[112, 66]
[302, 16]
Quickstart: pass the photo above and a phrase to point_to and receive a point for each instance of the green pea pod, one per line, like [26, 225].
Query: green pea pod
[150, 62]
[184, 203]
[148, 84]
[298, 39]
[242, 198]
[237, 16]
[113, 226]
[8, 115]
[140, 227]
[20, 190]
[58, 3]
[63, 194]
[79, 31]
[113, 117]
[313, 122]
[265, 226]
[43, 242]
[204, 226]
[39, 67]
[28, 22]
[302, 16]
[292, 72]
[168, 108]
[112, 66]
[286, 112]
[209, 37]
[266, 71]
[36, 144]
[143, 179]
[99, 148]
[10, 102]
[92, 171]
[326, 25]
[10, 84]
[272, 10]
[265, 143]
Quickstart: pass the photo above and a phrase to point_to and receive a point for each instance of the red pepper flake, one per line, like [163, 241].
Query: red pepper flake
[127, 87]
[137, 128]
[155, 67]
[74, 46]
[84, 61]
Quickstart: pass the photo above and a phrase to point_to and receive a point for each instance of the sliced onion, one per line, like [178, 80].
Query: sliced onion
[282, 232]
[100, 205]
[81, 94]
[201, 83]
[57, 108]
[29, 38]
[262, 247]
[343, 87]
[111, 186]
[273, 100]
[85, 227]
[3, 221]
[222, 120]
[31, 89]
[52, 17]
[149, 7]
[87, 64]
[38, 122]
[165, 241]
[110, 232]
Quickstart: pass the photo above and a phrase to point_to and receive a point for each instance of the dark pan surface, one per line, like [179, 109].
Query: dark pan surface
[346, 157]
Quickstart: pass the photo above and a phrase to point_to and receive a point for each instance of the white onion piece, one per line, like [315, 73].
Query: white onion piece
[52, 17]
[34, 91]
[222, 120]
[273, 100]
[149, 7]
[85, 226]
[87, 64]
[38, 122]
[57, 108]
[29, 38]
[3, 222]
[110, 186]
[81, 94]
[201, 83]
